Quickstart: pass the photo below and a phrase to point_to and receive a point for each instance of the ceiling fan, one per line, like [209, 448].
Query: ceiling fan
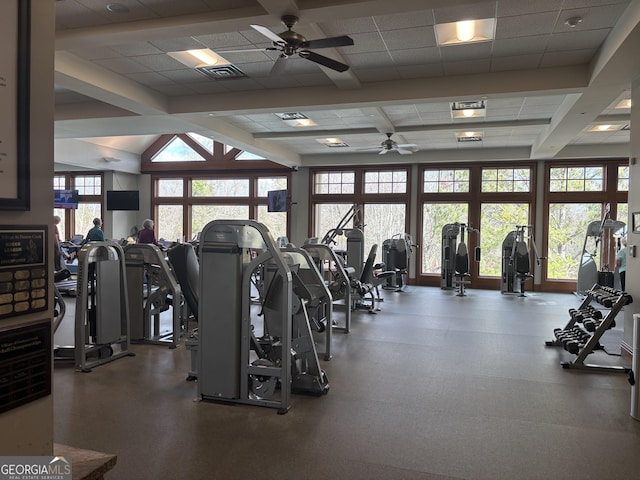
[290, 43]
[389, 145]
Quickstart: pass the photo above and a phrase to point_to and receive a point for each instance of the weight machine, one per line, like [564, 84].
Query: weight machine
[152, 289]
[455, 257]
[598, 245]
[102, 307]
[252, 354]
[397, 252]
[335, 277]
[516, 260]
[313, 292]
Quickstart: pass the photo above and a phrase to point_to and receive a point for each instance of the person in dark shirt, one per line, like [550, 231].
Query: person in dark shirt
[95, 234]
[147, 235]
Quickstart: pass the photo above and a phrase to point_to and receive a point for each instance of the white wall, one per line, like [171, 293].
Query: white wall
[28, 430]
[633, 239]
[299, 214]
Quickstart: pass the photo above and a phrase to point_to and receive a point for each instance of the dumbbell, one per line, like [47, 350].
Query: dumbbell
[586, 312]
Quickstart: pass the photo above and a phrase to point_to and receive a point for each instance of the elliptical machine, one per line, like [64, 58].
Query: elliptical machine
[516, 260]
[455, 257]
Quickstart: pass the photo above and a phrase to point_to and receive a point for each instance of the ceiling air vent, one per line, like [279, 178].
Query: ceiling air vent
[469, 139]
[221, 72]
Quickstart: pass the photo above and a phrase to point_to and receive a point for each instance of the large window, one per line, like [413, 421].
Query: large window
[383, 221]
[185, 204]
[496, 221]
[576, 179]
[506, 180]
[567, 231]
[380, 198]
[577, 195]
[434, 217]
[446, 180]
[490, 198]
[326, 183]
[90, 190]
[203, 214]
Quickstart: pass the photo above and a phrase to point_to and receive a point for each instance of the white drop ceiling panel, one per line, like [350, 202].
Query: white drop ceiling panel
[396, 73]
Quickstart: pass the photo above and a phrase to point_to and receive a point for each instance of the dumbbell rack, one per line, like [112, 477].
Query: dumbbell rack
[581, 336]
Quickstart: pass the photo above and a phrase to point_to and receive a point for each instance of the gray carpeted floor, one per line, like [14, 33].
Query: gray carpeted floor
[432, 387]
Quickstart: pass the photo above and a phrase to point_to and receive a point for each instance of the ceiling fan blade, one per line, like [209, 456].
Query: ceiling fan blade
[406, 145]
[245, 50]
[383, 151]
[274, 37]
[324, 61]
[403, 151]
[343, 41]
[279, 66]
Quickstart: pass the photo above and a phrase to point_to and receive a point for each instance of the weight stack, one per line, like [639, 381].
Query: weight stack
[635, 367]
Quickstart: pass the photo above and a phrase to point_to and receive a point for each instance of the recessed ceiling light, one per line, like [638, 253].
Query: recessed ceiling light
[472, 109]
[296, 119]
[199, 58]
[465, 31]
[624, 104]
[332, 142]
[571, 22]
[605, 128]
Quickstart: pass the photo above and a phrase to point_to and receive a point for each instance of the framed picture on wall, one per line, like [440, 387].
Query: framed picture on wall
[15, 57]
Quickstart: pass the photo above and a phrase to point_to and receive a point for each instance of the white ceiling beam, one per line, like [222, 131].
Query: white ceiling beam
[547, 81]
[430, 156]
[74, 73]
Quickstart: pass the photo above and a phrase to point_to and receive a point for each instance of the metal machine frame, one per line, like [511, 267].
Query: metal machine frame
[247, 353]
[600, 232]
[335, 277]
[102, 306]
[454, 267]
[150, 282]
[319, 297]
[516, 260]
[397, 262]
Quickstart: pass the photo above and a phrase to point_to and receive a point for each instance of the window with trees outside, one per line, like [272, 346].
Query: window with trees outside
[379, 195]
[79, 221]
[496, 221]
[576, 196]
[185, 204]
[434, 217]
[490, 198]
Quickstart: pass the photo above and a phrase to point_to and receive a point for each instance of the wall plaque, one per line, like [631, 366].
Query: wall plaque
[23, 270]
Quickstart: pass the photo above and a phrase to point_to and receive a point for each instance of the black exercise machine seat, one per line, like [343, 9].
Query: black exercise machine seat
[368, 278]
[522, 265]
[462, 259]
[186, 267]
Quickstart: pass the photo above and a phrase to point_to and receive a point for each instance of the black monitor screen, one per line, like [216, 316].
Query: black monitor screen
[277, 201]
[123, 200]
[65, 199]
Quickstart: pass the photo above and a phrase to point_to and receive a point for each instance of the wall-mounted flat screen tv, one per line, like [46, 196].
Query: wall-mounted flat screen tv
[65, 199]
[277, 201]
[123, 200]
